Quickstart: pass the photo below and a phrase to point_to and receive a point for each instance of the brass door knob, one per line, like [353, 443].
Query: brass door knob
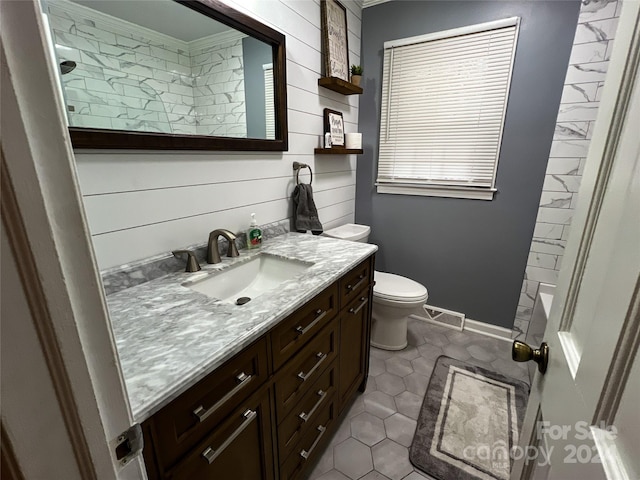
[521, 352]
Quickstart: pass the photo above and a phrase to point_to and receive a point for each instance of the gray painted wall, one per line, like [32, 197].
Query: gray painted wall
[470, 254]
[255, 54]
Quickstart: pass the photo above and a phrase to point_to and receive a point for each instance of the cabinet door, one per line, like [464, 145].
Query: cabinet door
[240, 448]
[354, 333]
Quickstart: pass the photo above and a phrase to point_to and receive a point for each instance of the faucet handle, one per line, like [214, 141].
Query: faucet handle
[192, 262]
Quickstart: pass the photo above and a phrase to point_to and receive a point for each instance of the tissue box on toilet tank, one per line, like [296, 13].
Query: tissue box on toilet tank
[353, 140]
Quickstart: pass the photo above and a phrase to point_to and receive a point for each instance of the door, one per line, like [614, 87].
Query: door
[583, 420]
[64, 403]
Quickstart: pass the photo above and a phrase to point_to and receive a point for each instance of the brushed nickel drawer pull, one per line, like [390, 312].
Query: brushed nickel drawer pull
[203, 413]
[302, 376]
[320, 315]
[304, 453]
[305, 416]
[353, 287]
[210, 454]
[364, 301]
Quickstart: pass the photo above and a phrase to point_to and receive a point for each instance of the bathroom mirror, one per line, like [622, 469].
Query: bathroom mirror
[168, 74]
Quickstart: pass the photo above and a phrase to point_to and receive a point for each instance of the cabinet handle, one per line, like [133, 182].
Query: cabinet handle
[304, 453]
[364, 301]
[210, 454]
[320, 314]
[203, 413]
[302, 376]
[353, 287]
[305, 416]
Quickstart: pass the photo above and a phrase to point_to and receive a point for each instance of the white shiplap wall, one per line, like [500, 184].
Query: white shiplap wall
[141, 204]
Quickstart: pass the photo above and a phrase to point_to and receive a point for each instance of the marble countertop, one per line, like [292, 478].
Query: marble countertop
[169, 336]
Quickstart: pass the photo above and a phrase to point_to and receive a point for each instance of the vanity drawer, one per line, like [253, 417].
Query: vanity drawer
[296, 424]
[311, 444]
[296, 378]
[354, 281]
[186, 420]
[239, 448]
[293, 332]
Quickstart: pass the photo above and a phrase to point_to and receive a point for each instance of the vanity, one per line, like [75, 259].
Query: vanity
[250, 391]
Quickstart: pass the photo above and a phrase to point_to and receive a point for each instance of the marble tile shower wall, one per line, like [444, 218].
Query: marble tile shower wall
[127, 81]
[218, 74]
[574, 126]
[122, 80]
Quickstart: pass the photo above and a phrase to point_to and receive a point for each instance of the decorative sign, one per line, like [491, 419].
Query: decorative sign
[334, 124]
[334, 39]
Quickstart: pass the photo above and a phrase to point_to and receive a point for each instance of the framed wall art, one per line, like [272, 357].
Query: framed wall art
[334, 124]
[334, 39]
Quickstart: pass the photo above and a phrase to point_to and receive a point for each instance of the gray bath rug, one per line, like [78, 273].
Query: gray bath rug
[468, 422]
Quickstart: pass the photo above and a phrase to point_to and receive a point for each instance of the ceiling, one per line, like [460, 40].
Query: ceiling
[164, 16]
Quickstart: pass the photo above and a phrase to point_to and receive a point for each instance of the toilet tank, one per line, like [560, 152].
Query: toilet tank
[350, 231]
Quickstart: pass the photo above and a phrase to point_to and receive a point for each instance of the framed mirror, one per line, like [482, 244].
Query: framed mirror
[169, 74]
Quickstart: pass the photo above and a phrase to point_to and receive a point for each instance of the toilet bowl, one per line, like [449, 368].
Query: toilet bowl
[394, 297]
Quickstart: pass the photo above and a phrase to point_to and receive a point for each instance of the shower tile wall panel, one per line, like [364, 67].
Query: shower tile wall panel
[123, 81]
[218, 74]
[171, 199]
[574, 127]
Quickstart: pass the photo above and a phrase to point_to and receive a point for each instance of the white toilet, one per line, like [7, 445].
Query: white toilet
[394, 297]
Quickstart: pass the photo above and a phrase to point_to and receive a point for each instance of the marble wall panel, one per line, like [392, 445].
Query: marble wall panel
[576, 116]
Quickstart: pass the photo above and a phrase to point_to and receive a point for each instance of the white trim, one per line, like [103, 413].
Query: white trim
[612, 461]
[371, 3]
[475, 326]
[267, 66]
[493, 331]
[40, 164]
[454, 32]
[215, 40]
[440, 191]
[118, 25]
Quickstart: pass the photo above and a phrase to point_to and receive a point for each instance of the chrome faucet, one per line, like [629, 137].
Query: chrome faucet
[213, 256]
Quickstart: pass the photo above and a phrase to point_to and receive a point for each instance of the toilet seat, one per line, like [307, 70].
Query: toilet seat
[396, 288]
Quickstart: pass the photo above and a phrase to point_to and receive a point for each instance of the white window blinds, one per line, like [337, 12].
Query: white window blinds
[444, 98]
[269, 103]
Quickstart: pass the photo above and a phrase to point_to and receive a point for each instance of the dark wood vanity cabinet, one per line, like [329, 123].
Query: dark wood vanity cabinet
[268, 412]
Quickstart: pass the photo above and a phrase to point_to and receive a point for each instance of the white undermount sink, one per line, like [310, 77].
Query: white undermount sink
[249, 279]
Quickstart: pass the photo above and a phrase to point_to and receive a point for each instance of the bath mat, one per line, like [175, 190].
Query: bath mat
[468, 422]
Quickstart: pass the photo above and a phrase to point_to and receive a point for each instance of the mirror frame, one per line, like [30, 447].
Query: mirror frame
[99, 138]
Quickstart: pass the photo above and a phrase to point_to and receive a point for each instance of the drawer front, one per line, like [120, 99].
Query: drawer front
[353, 282]
[296, 378]
[186, 420]
[293, 332]
[238, 448]
[311, 444]
[296, 424]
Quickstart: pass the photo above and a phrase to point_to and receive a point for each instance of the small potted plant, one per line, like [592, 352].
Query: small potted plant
[356, 74]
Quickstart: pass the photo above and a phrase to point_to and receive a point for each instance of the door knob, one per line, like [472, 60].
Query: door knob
[521, 352]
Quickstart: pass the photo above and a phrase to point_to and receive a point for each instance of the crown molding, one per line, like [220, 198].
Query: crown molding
[215, 40]
[371, 3]
[118, 25]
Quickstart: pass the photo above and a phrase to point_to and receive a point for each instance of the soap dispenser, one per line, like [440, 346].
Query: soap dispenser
[254, 234]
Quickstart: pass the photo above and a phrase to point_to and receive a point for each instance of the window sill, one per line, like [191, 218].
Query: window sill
[473, 193]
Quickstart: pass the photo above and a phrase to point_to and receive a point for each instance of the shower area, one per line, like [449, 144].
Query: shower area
[119, 75]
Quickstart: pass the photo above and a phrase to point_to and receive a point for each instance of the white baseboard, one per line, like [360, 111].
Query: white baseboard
[489, 330]
[475, 326]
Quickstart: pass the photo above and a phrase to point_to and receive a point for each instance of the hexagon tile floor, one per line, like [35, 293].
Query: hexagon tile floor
[372, 442]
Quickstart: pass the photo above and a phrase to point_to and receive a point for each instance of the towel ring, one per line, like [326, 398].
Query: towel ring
[297, 166]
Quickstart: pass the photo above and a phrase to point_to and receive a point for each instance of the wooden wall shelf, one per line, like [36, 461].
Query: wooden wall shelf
[338, 151]
[338, 85]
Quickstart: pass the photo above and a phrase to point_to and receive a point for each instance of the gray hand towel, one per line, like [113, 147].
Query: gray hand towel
[305, 214]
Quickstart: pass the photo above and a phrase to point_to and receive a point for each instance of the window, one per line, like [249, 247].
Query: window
[444, 97]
